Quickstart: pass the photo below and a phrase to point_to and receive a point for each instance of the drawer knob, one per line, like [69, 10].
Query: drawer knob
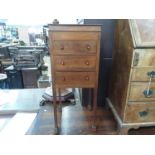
[87, 62]
[88, 47]
[87, 78]
[62, 63]
[62, 47]
[63, 79]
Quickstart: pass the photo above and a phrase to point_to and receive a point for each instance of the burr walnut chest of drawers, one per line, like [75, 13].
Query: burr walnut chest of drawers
[132, 85]
[75, 52]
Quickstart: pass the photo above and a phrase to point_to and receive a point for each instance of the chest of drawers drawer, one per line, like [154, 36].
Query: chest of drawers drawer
[74, 63]
[144, 58]
[74, 36]
[140, 112]
[75, 47]
[138, 92]
[143, 74]
[75, 79]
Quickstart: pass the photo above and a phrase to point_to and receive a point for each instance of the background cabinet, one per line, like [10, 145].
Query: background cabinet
[107, 44]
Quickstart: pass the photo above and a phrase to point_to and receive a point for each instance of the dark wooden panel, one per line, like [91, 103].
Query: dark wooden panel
[121, 65]
[107, 44]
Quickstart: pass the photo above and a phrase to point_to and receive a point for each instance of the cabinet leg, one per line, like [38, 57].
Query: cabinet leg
[55, 109]
[106, 106]
[90, 98]
[60, 102]
[94, 125]
[56, 131]
[123, 131]
[59, 108]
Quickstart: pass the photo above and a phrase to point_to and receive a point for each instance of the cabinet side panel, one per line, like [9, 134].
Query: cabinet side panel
[120, 71]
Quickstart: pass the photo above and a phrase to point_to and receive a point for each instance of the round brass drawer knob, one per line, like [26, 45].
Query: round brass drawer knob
[87, 78]
[63, 79]
[87, 62]
[88, 47]
[62, 47]
[62, 63]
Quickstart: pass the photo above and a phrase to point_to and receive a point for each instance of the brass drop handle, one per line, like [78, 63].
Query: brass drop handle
[62, 47]
[148, 93]
[87, 78]
[87, 62]
[136, 59]
[146, 112]
[62, 62]
[143, 113]
[151, 74]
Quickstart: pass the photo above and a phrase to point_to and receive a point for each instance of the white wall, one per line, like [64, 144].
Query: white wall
[23, 34]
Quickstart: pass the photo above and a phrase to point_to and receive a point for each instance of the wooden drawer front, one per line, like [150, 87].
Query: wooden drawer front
[137, 92]
[141, 112]
[143, 74]
[75, 63]
[144, 58]
[75, 79]
[74, 36]
[74, 47]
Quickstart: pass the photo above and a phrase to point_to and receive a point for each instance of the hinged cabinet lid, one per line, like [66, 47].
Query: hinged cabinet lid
[143, 32]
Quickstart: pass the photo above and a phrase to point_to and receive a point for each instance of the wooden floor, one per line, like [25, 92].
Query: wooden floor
[76, 120]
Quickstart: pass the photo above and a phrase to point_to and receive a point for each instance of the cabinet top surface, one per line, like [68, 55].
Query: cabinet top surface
[143, 32]
[74, 27]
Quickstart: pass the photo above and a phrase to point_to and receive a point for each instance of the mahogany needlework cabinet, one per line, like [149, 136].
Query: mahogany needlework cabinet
[75, 53]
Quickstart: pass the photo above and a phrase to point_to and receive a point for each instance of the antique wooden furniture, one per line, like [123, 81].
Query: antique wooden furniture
[75, 51]
[132, 89]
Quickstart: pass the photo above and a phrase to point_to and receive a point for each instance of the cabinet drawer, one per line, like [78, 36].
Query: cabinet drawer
[138, 92]
[74, 47]
[143, 74]
[75, 79]
[74, 35]
[75, 63]
[144, 58]
[140, 112]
